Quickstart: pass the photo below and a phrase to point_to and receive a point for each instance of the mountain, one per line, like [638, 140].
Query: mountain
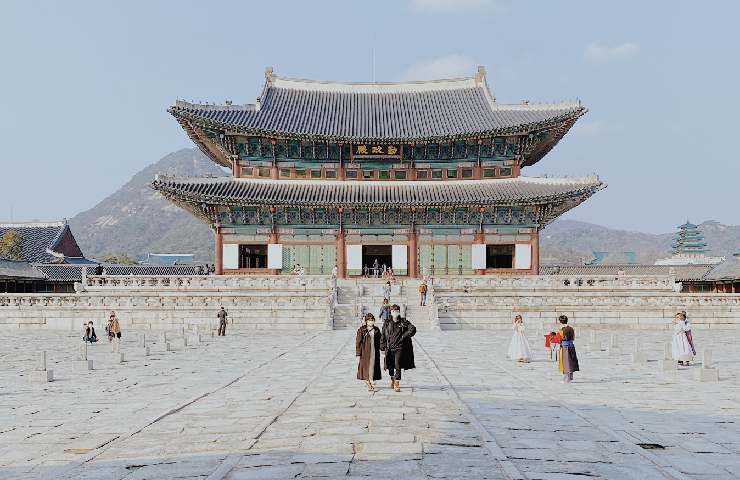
[137, 220]
[570, 241]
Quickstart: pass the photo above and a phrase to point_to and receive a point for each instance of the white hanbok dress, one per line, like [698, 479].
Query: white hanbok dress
[519, 346]
[681, 347]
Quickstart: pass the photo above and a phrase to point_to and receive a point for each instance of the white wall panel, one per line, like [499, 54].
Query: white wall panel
[275, 255]
[522, 256]
[400, 259]
[354, 257]
[478, 256]
[231, 255]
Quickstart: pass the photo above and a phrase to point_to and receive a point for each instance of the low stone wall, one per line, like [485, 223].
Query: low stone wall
[167, 310]
[615, 309]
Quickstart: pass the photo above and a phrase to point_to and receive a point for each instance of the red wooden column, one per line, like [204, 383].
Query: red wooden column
[219, 252]
[236, 168]
[536, 253]
[413, 261]
[274, 167]
[479, 239]
[341, 253]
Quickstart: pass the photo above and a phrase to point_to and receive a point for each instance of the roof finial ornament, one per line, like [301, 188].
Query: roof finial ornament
[480, 76]
[268, 74]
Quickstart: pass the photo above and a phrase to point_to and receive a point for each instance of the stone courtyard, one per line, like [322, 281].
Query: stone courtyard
[268, 405]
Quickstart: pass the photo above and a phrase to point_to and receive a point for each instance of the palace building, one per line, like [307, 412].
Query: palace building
[423, 177]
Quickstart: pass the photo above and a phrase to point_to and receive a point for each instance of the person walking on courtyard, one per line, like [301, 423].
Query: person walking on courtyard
[221, 315]
[108, 331]
[682, 345]
[367, 349]
[115, 331]
[423, 293]
[376, 268]
[567, 358]
[90, 335]
[395, 341]
[334, 271]
[519, 346]
[387, 290]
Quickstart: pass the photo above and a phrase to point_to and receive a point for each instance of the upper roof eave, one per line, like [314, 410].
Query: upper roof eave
[245, 192]
[520, 129]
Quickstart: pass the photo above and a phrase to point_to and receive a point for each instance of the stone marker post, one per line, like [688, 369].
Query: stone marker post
[40, 374]
[706, 373]
[667, 351]
[82, 363]
[706, 358]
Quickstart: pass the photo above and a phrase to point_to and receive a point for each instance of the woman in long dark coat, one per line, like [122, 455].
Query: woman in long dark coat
[367, 348]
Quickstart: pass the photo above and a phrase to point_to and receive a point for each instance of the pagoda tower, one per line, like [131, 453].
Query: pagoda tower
[689, 248]
[689, 241]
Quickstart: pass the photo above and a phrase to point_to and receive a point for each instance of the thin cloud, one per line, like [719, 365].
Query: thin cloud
[589, 129]
[597, 52]
[445, 6]
[448, 66]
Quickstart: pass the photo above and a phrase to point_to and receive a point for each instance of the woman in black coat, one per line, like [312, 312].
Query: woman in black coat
[367, 349]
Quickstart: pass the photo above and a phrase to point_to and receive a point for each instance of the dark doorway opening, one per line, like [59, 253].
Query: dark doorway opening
[374, 257]
[252, 256]
[499, 256]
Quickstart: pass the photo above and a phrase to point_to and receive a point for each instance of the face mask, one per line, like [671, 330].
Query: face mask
[395, 314]
[370, 323]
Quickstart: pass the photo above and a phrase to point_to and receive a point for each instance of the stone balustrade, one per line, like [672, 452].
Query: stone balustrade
[558, 282]
[208, 282]
[308, 302]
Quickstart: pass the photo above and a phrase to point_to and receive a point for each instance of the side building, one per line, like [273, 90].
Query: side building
[422, 177]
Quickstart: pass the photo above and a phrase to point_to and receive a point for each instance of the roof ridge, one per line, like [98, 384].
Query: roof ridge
[276, 81]
[60, 223]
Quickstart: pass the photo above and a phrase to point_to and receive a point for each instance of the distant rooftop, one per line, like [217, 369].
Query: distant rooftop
[44, 242]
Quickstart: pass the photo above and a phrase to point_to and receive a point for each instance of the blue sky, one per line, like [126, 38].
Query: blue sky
[85, 86]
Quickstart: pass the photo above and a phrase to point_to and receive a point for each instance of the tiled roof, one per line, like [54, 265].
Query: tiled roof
[242, 191]
[39, 239]
[153, 269]
[73, 273]
[61, 272]
[380, 111]
[19, 270]
[727, 270]
[682, 272]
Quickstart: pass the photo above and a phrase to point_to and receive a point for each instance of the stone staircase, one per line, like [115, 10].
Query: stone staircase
[358, 296]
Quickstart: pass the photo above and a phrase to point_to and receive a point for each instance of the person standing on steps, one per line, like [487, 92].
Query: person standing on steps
[385, 311]
[221, 315]
[423, 293]
[367, 349]
[387, 290]
[395, 341]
